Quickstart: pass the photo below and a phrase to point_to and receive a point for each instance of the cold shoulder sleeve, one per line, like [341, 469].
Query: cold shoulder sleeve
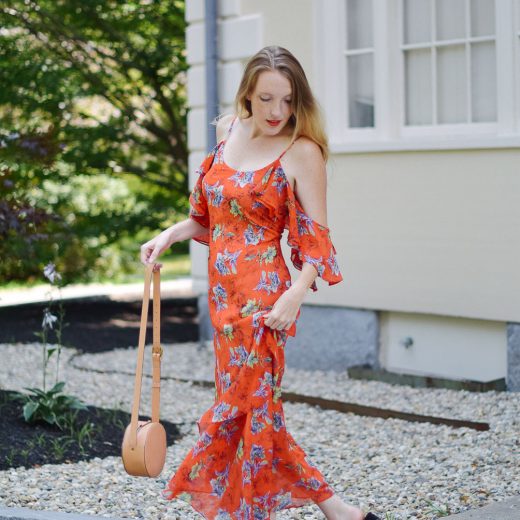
[310, 242]
[198, 203]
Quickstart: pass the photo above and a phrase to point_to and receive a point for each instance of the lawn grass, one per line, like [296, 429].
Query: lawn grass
[173, 266]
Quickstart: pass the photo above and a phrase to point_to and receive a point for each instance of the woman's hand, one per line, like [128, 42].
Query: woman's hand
[156, 246]
[285, 309]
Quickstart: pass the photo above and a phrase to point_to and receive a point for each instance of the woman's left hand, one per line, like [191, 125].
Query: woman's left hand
[285, 309]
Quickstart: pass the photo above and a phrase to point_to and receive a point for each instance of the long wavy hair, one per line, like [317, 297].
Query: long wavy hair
[306, 119]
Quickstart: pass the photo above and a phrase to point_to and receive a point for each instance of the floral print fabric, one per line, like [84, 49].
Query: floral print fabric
[245, 463]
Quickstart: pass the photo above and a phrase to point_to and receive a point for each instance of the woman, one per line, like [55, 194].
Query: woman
[266, 173]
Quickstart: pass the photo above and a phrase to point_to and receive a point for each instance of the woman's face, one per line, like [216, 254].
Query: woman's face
[271, 102]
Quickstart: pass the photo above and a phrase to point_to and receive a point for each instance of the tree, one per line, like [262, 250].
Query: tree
[92, 102]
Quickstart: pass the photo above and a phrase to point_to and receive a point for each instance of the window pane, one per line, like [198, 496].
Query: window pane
[450, 19]
[451, 84]
[418, 87]
[360, 90]
[417, 21]
[359, 24]
[483, 82]
[482, 17]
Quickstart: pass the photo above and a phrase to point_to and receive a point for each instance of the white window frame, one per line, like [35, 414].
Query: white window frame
[390, 132]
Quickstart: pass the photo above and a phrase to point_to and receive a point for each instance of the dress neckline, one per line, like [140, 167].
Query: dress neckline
[289, 187]
[223, 160]
[277, 160]
[222, 143]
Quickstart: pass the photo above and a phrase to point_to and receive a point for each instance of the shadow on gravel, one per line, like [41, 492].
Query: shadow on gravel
[102, 325]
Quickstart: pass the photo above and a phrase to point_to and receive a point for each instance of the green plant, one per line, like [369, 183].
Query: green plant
[10, 457]
[442, 510]
[25, 453]
[40, 441]
[48, 321]
[119, 423]
[42, 404]
[59, 445]
[79, 435]
[49, 406]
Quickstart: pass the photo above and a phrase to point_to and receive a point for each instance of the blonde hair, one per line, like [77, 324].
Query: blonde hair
[306, 119]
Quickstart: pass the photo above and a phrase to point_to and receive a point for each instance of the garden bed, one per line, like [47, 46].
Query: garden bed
[95, 432]
[101, 325]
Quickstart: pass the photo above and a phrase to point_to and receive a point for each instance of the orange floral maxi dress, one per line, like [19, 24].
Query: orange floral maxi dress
[245, 464]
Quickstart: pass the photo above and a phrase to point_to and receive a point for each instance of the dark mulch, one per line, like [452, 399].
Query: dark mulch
[95, 326]
[31, 445]
[102, 325]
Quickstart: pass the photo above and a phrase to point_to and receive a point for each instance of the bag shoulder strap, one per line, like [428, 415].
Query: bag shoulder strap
[157, 350]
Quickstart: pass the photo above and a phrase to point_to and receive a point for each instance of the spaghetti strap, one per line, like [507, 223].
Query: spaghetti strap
[283, 153]
[230, 128]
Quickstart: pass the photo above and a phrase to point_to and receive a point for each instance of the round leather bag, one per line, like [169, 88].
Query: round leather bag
[147, 457]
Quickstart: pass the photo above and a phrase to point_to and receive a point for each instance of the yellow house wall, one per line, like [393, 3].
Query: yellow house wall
[435, 232]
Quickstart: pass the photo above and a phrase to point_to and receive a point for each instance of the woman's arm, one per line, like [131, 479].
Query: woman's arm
[188, 228]
[180, 231]
[305, 170]
[304, 164]
[184, 230]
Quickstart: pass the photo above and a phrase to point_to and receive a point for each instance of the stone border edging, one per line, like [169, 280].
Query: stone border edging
[328, 404]
[26, 513]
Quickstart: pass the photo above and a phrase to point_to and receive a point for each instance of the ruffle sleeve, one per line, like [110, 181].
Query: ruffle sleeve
[310, 242]
[198, 203]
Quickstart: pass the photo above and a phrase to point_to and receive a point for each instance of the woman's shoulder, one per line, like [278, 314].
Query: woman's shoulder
[304, 152]
[306, 146]
[302, 161]
[222, 125]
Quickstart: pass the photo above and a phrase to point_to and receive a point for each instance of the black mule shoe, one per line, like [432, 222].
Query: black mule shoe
[371, 516]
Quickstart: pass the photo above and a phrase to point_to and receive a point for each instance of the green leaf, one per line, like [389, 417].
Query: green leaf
[37, 391]
[49, 417]
[58, 387]
[29, 409]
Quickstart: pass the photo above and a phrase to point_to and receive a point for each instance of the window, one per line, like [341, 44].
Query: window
[359, 55]
[448, 48]
[420, 73]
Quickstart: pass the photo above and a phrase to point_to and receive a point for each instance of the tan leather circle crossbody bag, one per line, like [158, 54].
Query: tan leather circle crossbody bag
[144, 443]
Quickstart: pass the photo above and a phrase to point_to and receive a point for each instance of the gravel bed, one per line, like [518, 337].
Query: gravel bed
[190, 361]
[383, 465]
